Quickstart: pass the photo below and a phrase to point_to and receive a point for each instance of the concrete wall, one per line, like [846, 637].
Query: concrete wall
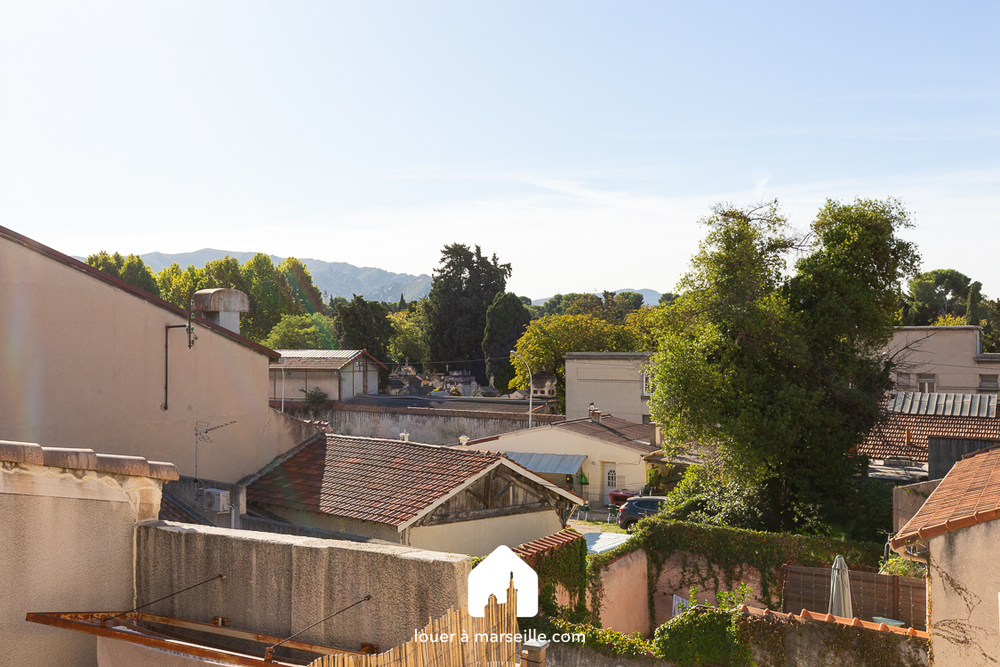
[429, 425]
[280, 584]
[962, 594]
[612, 382]
[906, 500]
[625, 603]
[949, 353]
[66, 544]
[83, 366]
[482, 536]
[629, 465]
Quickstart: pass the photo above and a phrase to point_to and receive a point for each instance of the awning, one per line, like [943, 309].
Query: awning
[556, 464]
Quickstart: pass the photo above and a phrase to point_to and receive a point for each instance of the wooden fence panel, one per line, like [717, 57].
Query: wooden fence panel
[481, 650]
[887, 595]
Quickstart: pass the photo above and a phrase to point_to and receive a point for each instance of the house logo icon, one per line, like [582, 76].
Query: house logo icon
[492, 577]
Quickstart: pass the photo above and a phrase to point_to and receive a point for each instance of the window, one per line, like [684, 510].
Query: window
[647, 419]
[903, 381]
[925, 383]
[612, 479]
[647, 384]
[989, 383]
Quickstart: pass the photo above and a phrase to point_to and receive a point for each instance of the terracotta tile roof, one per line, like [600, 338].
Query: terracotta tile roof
[906, 435]
[369, 479]
[830, 618]
[530, 551]
[968, 494]
[614, 430]
[172, 509]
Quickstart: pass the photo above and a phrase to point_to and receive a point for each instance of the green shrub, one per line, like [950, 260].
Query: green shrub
[703, 635]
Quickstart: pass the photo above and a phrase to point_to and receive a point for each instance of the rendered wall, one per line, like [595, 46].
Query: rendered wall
[629, 465]
[83, 366]
[66, 544]
[947, 352]
[625, 599]
[280, 584]
[962, 596]
[614, 385]
[431, 426]
[482, 536]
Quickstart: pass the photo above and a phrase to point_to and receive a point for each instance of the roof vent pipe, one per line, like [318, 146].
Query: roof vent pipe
[463, 440]
[404, 436]
[595, 416]
[222, 306]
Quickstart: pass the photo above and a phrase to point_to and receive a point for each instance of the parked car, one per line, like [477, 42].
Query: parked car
[636, 508]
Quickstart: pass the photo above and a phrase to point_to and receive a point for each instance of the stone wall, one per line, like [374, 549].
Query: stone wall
[280, 584]
[435, 426]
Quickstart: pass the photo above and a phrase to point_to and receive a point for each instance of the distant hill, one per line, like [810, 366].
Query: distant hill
[649, 297]
[334, 278]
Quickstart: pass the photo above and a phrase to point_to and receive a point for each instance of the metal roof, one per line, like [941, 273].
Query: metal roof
[556, 464]
[320, 354]
[600, 542]
[947, 405]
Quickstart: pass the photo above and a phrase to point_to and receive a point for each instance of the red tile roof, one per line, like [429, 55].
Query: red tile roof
[530, 551]
[830, 618]
[31, 244]
[968, 494]
[614, 430]
[905, 435]
[369, 479]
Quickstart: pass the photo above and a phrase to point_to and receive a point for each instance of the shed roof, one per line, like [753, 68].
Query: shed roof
[943, 404]
[968, 494]
[326, 360]
[555, 464]
[374, 479]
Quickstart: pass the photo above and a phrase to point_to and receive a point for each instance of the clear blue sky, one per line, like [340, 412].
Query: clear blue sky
[579, 141]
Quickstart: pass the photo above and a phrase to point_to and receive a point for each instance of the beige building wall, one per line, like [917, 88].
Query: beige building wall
[612, 381]
[298, 381]
[630, 468]
[66, 544]
[82, 365]
[481, 536]
[962, 597]
[949, 358]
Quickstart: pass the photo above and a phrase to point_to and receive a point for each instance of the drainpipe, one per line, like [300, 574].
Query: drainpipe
[282, 362]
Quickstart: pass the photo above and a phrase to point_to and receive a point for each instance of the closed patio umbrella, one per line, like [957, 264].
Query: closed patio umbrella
[840, 590]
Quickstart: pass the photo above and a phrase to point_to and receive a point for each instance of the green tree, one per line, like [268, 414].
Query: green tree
[408, 342]
[464, 287]
[306, 296]
[269, 295]
[973, 315]
[783, 373]
[547, 340]
[225, 273]
[303, 332]
[178, 285]
[365, 325]
[583, 304]
[506, 319]
[935, 293]
[990, 313]
[131, 269]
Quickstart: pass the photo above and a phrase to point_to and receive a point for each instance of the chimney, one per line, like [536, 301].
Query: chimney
[655, 438]
[404, 436]
[463, 440]
[222, 306]
[595, 416]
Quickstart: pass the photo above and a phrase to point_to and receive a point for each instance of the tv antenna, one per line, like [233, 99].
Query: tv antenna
[201, 431]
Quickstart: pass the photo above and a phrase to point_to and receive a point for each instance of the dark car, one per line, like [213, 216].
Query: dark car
[636, 508]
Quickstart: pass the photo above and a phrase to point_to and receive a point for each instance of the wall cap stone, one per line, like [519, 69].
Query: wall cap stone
[85, 459]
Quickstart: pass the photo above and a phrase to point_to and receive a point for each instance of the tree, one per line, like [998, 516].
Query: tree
[935, 293]
[972, 303]
[506, 319]
[178, 285]
[464, 287]
[301, 289]
[547, 340]
[269, 295]
[303, 332]
[131, 269]
[365, 325]
[583, 304]
[408, 342]
[782, 374]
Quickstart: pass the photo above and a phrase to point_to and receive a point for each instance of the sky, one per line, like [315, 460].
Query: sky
[579, 141]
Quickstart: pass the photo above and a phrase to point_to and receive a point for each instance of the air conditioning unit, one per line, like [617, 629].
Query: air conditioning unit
[215, 500]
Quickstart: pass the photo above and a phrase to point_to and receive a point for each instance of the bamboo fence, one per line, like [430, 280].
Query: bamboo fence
[468, 641]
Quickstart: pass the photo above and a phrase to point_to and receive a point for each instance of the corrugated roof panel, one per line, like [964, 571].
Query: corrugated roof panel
[944, 405]
[555, 464]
